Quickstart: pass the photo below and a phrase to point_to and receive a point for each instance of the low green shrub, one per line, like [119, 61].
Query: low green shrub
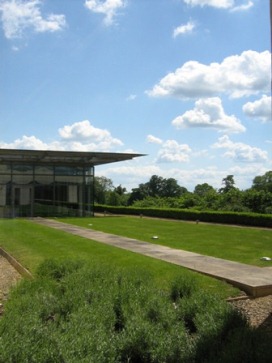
[57, 270]
[182, 286]
[78, 312]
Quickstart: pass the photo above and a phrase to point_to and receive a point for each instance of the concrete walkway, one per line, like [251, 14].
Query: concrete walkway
[255, 281]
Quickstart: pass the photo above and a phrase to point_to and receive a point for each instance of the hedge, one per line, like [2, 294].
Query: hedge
[245, 219]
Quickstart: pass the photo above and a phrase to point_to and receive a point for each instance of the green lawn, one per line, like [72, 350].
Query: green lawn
[240, 244]
[31, 244]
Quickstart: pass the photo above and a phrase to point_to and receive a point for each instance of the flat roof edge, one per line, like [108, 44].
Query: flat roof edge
[93, 158]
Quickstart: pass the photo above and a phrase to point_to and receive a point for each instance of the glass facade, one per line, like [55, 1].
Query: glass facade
[33, 189]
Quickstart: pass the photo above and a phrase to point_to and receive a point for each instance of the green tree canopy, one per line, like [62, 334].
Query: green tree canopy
[203, 189]
[101, 186]
[228, 183]
[263, 182]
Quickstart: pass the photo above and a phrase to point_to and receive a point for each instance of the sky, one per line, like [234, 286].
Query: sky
[185, 82]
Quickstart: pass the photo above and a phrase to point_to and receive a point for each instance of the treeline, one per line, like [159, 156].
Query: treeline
[161, 192]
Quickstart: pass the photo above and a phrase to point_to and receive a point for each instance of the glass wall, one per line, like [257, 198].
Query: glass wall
[45, 190]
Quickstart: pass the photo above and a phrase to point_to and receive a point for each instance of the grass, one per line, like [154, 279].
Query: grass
[31, 244]
[241, 244]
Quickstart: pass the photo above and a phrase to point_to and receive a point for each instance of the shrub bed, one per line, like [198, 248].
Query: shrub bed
[246, 219]
[73, 312]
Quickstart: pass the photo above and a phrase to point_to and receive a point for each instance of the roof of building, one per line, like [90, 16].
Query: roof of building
[49, 157]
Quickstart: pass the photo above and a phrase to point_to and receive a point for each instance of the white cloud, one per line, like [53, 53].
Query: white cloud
[259, 109]
[239, 151]
[184, 29]
[237, 76]
[242, 7]
[26, 142]
[232, 5]
[224, 4]
[108, 8]
[129, 173]
[80, 136]
[131, 170]
[84, 133]
[18, 15]
[172, 151]
[209, 113]
[154, 140]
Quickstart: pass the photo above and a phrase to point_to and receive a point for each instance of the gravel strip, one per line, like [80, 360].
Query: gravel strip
[8, 278]
[258, 311]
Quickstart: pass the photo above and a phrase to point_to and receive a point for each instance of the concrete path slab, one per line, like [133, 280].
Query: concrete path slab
[255, 281]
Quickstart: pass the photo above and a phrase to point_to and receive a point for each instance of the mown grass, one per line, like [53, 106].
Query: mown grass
[31, 244]
[85, 312]
[241, 244]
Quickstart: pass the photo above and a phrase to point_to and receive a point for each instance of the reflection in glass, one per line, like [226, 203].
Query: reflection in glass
[43, 190]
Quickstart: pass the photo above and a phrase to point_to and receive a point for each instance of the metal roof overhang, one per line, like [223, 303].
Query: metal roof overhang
[72, 158]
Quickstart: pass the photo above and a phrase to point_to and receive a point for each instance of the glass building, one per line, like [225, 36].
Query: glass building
[50, 183]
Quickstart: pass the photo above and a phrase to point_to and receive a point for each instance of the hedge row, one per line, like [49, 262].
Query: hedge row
[246, 219]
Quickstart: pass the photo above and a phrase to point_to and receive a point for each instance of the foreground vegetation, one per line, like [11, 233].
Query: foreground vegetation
[77, 312]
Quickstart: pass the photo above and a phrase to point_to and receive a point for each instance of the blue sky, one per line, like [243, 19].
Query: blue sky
[186, 82]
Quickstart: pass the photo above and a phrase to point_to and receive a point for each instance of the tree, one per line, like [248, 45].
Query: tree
[162, 187]
[258, 201]
[155, 186]
[203, 189]
[170, 188]
[228, 184]
[158, 187]
[102, 185]
[113, 198]
[138, 193]
[263, 182]
[120, 190]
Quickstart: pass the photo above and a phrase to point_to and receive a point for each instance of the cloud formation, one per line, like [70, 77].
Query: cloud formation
[17, 16]
[153, 140]
[224, 4]
[237, 76]
[209, 113]
[232, 5]
[170, 151]
[242, 7]
[239, 151]
[80, 136]
[184, 29]
[85, 133]
[26, 142]
[108, 8]
[259, 109]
